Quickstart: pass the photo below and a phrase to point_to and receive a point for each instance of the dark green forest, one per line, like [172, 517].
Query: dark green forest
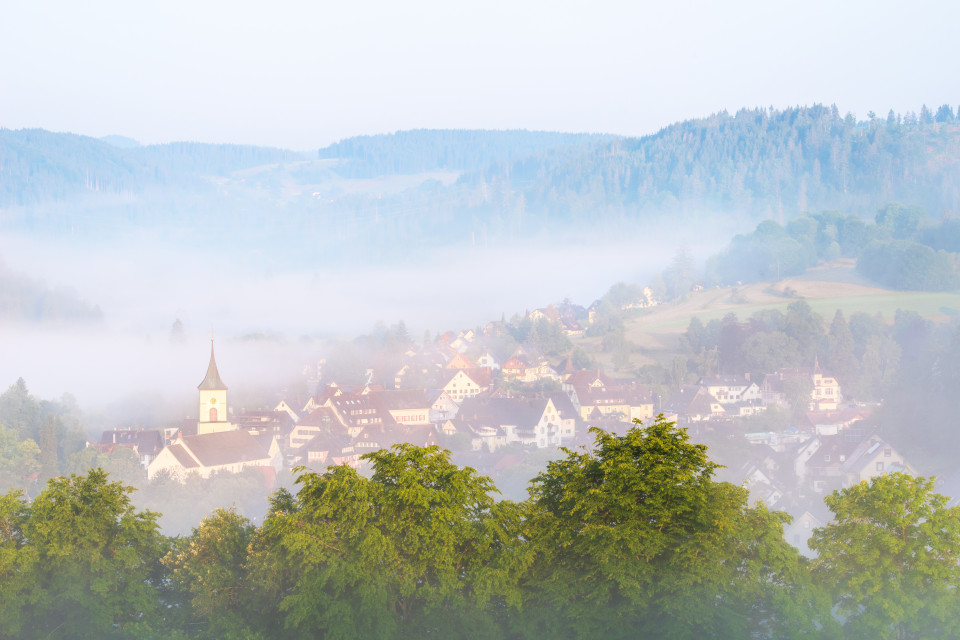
[632, 537]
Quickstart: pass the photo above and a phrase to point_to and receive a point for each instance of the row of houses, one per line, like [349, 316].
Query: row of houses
[725, 396]
[337, 425]
[794, 472]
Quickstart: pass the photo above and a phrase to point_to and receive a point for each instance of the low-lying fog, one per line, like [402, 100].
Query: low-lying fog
[270, 323]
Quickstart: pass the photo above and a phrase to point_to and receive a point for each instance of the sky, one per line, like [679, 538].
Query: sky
[301, 75]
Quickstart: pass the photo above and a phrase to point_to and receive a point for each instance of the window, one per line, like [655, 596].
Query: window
[826, 457]
[879, 466]
[887, 453]
[213, 415]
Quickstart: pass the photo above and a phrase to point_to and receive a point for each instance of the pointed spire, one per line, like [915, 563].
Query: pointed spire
[212, 380]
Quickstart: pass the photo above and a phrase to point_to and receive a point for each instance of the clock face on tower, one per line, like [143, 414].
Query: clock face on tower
[213, 401]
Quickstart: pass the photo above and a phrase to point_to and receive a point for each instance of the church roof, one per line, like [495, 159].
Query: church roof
[212, 380]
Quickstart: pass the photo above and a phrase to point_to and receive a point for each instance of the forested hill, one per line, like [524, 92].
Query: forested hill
[452, 149]
[763, 162]
[38, 166]
[385, 195]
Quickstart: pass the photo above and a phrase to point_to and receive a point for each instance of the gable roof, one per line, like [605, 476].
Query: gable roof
[224, 447]
[522, 412]
[460, 361]
[182, 456]
[690, 401]
[480, 376]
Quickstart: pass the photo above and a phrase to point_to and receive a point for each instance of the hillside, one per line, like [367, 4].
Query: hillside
[656, 331]
[379, 197]
[762, 163]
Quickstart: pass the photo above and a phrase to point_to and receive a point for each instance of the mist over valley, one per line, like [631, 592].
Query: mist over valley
[449, 313]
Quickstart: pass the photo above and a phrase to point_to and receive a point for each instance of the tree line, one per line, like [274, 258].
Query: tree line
[903, 249]
[632, 537]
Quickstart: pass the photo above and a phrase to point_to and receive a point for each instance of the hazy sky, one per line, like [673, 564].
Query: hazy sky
[304, 74]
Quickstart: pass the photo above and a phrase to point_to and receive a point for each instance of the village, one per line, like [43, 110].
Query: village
[488, 409]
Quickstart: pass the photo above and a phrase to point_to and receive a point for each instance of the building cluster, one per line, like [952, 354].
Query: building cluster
[472, 405]
[793, 472]
[487, 404]
[721, 397]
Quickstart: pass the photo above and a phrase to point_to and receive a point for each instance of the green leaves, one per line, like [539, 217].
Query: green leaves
[418, 548]
[891, 554]
[636, 537]
[78, 562]
[630, 538]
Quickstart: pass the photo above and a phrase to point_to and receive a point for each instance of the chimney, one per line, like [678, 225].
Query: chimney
[746, 376]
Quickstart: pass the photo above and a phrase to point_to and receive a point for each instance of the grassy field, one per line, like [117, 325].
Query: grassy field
[826, 289]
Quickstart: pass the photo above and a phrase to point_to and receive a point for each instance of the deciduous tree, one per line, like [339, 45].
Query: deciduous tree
[891, 557]
[635, 539]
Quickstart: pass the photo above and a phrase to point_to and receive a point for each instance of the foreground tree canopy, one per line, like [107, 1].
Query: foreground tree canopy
[630, 538]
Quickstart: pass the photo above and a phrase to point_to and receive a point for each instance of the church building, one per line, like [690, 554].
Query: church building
[218, 445]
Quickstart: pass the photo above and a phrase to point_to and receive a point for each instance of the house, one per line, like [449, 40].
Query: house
[851, 457]
[548, 314]
[694, 404]
[593, 394]
[799, 532]
[145, 443]
[760, 484]
[208, 453]
[460, 361]
[489, 361]
[442, 405]
[745, 408]
[327, 449]
[516, 368]
[827, 423]
[527, 421]
[289, 409]
[401, 375]
[356, 411]
[406, 407]
[802, 454]
[825, 392]
[275, 423]
[322, 420]
[630, 403]
[465, 383]
[730, 389]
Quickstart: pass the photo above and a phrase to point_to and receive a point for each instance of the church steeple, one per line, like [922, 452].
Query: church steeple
[212, 381]
[213, 416]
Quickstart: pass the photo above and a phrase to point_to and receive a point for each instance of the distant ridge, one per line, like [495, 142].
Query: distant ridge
[122, 142]
[42, 166]
[452, 149]
[764, 163]
[379, 197]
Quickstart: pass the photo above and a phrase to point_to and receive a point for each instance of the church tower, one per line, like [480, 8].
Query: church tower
[213, 401]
